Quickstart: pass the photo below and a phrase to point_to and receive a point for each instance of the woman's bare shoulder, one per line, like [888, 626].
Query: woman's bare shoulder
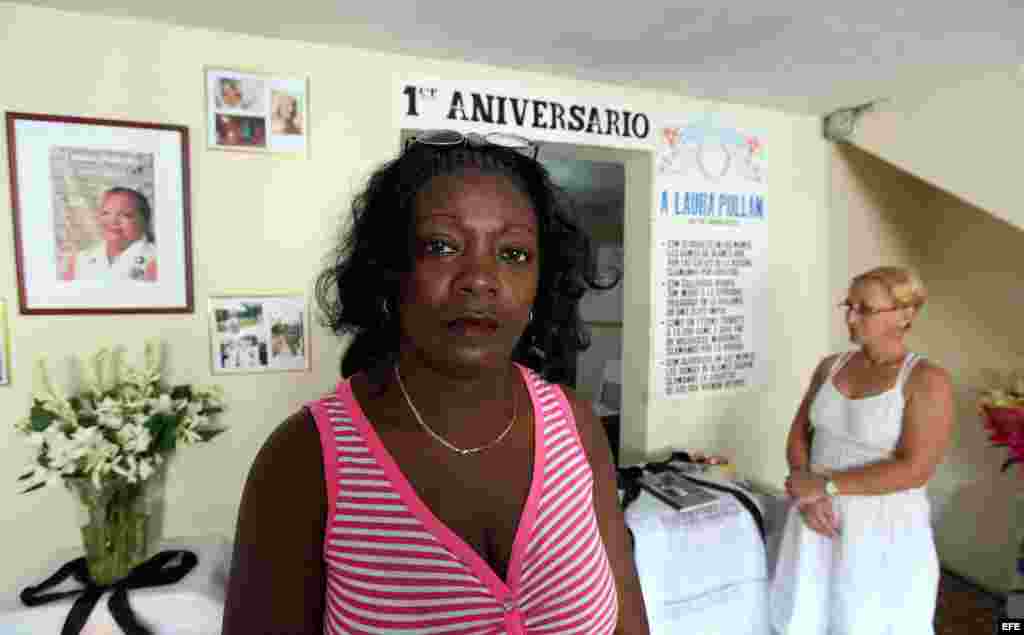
[293, 437]
[929, 379]
[825, 365]
[288, 472]
[289, 461]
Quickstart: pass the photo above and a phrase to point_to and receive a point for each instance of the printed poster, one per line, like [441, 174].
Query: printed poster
[710, 244]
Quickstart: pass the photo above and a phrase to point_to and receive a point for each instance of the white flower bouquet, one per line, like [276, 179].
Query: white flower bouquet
[109, 442]
[120, 425]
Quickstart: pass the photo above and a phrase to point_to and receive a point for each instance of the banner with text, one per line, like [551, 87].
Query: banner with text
[510, 107]
[710, 240]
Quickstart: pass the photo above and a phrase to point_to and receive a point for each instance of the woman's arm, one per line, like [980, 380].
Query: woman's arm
[818, 516]
[927, 429]
[798, 444]
[277, 572]
[610, 520]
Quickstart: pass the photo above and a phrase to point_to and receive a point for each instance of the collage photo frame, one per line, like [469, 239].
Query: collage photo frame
[257, 112]
[259, 333]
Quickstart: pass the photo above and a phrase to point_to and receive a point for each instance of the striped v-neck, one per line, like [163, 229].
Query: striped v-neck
[394, 567]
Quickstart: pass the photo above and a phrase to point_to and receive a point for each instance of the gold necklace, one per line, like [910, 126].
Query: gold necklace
[442, 440]
[891, 362]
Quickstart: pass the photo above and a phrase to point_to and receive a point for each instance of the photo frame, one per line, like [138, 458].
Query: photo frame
[5, 346]
[256, 112]
[101, 215]
[259, 333]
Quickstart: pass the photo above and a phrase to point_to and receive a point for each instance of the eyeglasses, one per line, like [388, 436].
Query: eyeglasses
[454, 139]
[864, 310]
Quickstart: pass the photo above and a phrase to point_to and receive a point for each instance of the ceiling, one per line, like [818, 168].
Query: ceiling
[791, 55]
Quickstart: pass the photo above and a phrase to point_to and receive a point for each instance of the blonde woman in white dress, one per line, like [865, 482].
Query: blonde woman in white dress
[857, 555]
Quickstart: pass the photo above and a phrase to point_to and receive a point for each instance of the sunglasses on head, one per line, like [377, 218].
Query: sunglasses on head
[455, 139]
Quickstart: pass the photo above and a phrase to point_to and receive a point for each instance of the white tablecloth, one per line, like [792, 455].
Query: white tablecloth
[192, 606]
[701, 573]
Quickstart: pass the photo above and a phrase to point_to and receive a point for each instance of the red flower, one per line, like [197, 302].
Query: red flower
[1006, 428]
[1001, 421]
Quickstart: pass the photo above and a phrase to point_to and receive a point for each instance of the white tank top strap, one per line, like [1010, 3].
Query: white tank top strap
[837, 365]
[908, 365]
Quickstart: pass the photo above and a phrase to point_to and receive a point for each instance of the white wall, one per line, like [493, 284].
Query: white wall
[264, 223]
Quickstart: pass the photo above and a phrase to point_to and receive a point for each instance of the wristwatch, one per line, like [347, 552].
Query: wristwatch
[831, 490]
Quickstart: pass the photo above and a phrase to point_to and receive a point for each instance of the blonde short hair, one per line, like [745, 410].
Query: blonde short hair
[903, 285]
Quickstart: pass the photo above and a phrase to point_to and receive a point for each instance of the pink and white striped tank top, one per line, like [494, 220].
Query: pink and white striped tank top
[392, 567]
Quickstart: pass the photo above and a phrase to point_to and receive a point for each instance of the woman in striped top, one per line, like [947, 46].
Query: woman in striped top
[448, 484]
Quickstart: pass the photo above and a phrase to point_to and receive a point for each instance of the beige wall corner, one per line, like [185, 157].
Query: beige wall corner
[963, 137]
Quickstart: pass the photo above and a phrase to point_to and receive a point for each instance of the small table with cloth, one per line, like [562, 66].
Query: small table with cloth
[192, 606]
[702, 571]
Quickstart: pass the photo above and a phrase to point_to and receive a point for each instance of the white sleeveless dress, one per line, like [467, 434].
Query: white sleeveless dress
[880, 576]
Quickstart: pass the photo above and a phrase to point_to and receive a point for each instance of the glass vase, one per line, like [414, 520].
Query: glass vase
[119, 523]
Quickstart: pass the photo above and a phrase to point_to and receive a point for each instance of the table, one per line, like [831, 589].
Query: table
[705, 573]
[193, 606]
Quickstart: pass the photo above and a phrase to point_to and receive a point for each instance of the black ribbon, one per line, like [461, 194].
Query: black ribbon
[160, 570]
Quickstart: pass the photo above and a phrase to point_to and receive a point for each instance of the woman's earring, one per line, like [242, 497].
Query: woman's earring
[385, 309]
[531, 315]
[538, 351]
[534, 348]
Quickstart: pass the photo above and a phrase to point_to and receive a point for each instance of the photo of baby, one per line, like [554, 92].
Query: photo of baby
[235, 93]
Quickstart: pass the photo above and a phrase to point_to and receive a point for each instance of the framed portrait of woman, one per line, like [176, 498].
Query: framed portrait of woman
[101, 215]
[257, 112]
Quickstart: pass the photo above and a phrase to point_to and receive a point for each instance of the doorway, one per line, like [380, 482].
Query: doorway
[595, 179]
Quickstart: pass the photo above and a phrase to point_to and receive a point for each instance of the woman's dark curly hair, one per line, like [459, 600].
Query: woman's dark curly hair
[358, 292]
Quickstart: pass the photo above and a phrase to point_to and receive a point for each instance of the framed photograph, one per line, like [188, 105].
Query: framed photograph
[259, 333]
[101, 215]
[256, 112]
[5, 347]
